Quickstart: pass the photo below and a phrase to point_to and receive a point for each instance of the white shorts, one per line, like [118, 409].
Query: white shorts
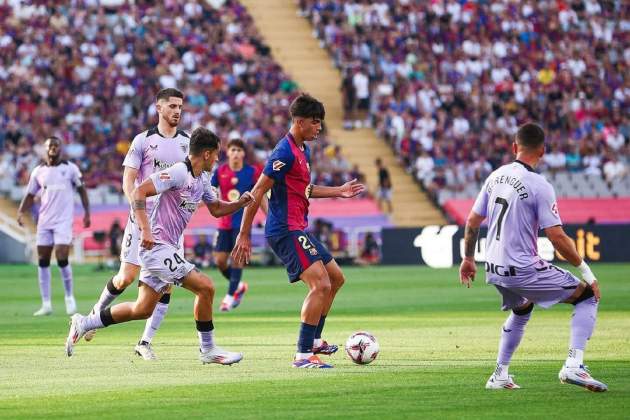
[163, 266]
[130, 247]
[59, 235]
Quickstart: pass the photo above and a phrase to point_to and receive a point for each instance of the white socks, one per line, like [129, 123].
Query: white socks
[575, 358]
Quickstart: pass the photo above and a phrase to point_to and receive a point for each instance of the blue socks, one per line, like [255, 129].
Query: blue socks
[306, 338]
[235, 279]
[320, 326]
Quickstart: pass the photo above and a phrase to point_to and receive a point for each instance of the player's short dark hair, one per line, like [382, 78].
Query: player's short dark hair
[168, 93]
[305, 106]
[203, 139]
[530, 136]
[236, 143]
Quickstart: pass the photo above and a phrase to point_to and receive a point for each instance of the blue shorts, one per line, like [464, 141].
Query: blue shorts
[225, 240]
[298, 250]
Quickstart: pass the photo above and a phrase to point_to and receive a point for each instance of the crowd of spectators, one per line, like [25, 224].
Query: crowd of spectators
[87, 71]
[450, 81]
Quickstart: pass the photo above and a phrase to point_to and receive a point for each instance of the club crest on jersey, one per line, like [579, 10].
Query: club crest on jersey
[277, 165]
[153, 146]
[164, 176]
[189, 206]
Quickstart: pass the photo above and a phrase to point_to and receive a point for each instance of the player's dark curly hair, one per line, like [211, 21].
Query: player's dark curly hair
[530, 136]
[306, 106]
[203, 139]
[168, 93]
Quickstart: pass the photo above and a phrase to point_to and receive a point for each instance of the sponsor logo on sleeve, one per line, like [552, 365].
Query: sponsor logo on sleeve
[164, 176]
[277, 165]
[554, 208]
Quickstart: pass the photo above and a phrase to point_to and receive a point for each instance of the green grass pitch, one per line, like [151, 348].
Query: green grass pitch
[438, 346]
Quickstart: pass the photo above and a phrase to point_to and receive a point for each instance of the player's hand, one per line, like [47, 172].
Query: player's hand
[20, 219]
[467, 271]
[147, 240]
[246, 199]
[242, 249]
[596, 291]
[351, 189]
[86, 221]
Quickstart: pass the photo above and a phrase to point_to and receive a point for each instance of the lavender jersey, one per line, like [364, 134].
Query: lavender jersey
[516, 202]
[180, 194]
[150, 152]
[57, 184]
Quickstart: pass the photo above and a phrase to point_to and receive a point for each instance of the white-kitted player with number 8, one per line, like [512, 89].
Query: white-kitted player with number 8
[181, 189]
[517, 202]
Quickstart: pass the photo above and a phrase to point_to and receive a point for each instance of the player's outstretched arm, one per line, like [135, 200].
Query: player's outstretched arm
[139, 205]
[565, 246]
[25, 205]
[348, 190]
[85, 202]
[223, 208]
[243, 247]
[468, 268]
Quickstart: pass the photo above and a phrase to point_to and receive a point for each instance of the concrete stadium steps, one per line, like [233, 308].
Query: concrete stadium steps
[9, 208]
[290, 38]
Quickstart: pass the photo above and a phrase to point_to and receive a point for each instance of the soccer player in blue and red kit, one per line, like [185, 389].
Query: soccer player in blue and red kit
[287, 175]
[232, 179]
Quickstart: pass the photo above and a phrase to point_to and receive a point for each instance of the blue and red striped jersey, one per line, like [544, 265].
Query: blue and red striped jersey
[231, 185]
[289, 167]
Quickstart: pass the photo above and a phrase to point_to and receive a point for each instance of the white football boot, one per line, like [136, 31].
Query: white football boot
[75, 333]
[46, 309]
[580, 376]
[501, 383]
[71, 305]
[144, 350]
[220, 356]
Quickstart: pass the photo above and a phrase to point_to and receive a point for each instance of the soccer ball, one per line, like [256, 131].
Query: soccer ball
[362, 347]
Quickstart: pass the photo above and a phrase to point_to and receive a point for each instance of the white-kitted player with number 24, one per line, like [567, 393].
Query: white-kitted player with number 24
[182, 188]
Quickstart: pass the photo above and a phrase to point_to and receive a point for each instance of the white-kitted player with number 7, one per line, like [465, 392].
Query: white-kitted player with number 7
[182, 188]
[518, 202]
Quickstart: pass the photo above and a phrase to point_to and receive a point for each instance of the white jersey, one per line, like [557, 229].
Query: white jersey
[56, 184]
[517, 202]
[151, 152]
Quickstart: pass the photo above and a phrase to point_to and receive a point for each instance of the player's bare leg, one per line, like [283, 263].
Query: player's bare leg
[582, 325]
[318, 282]
[62, 254]
[511, 334]
[43, 273]
[203, 288]
[337, 280]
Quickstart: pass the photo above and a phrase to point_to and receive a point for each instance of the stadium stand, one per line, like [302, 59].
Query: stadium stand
[451, 81]
[89, 75]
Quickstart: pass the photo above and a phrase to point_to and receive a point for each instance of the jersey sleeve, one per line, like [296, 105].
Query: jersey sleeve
[171, 178]
[77, 177]
[481, 203]
[33, 185]
[133, 159]
[279, 163]
[547, 207]
[209, 192]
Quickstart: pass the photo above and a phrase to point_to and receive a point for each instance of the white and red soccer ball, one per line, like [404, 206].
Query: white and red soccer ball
[362, 348]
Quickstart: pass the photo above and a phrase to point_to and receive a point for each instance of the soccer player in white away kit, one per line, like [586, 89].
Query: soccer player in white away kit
[151, 151]
[517, 202]
[182, 187]
[56, 180]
